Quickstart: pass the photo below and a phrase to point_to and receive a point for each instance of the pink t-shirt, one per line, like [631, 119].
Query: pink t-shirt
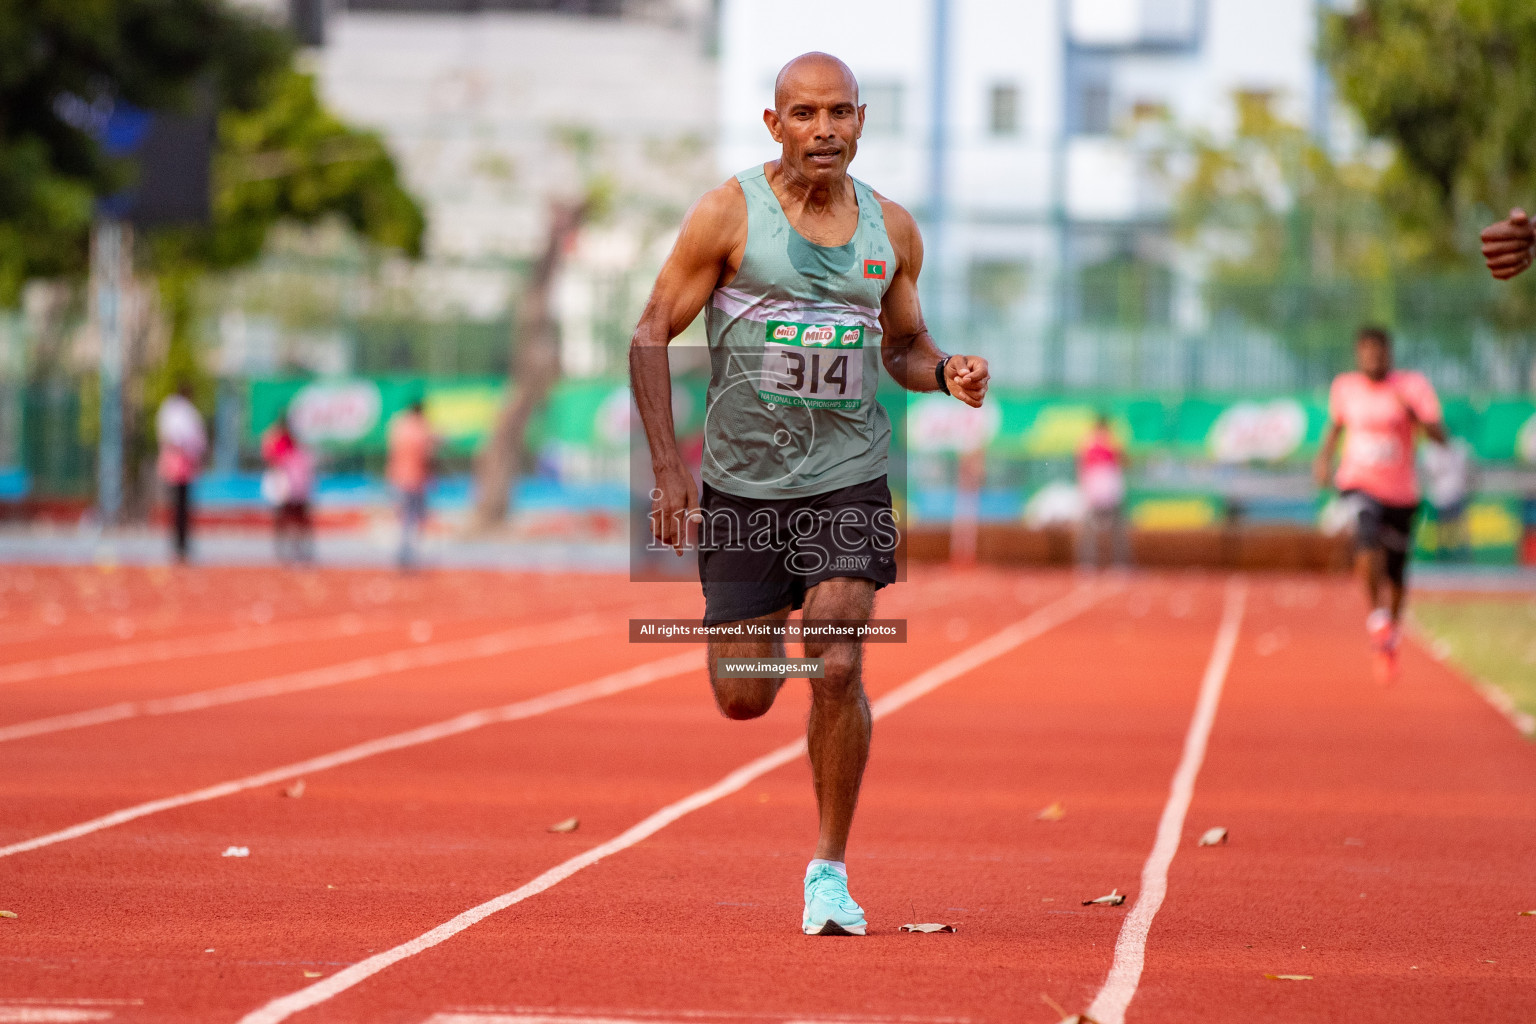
[410, 452]
[1379, 421]
[1100, 476]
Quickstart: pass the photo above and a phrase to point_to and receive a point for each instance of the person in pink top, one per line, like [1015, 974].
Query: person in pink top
[287, 483]
[1378, 412]
[1101, 481]
[411, 445]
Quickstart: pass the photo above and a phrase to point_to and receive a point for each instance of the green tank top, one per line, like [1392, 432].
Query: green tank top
[794, 347]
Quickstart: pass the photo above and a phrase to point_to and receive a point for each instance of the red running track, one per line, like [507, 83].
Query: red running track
[1380, 840]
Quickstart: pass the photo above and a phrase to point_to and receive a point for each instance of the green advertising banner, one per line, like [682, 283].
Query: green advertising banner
[1490, 532]
[353, 413]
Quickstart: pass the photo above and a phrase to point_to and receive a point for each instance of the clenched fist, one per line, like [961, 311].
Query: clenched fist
[1507, 245]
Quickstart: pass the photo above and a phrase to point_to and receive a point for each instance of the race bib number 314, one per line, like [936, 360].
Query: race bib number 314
[816, 366]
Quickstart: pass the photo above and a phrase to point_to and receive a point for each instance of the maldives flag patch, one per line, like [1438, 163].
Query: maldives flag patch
[875, 269]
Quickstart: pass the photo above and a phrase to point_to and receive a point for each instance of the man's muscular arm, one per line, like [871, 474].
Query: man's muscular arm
[707, 250]
[1322, 466]
[907, 349]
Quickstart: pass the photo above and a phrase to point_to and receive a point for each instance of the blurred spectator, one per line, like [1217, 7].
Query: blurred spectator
[411, 445]
[287, 483]
[183, 440]
[1101, 479]
[1448, 486]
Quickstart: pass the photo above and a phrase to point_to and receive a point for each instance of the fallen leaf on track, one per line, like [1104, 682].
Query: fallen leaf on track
[236, 851]
[1114, 899]
[1214, 837]
[1289, 977]
[927, 927]
[314, 974]
[295, 791]
[1528, 913]
[1066, 1018]
[1055, 812]
[8, 913]
[568, 825]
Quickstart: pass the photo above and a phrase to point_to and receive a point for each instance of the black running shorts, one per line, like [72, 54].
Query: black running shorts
[757, 555]
[1384, 528]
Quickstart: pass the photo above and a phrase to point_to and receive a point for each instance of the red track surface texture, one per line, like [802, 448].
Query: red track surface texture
[1380, 840]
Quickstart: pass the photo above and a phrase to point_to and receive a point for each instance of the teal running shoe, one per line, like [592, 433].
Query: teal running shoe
[829, 910]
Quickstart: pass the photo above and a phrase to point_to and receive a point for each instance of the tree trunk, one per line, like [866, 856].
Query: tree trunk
[535, 369]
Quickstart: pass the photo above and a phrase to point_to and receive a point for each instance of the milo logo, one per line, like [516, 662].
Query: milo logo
[785, 332]
[817, 336]
[852, 335]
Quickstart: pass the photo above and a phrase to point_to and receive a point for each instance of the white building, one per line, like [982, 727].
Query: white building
[493, 109]
[1035, 162]
[495, 106]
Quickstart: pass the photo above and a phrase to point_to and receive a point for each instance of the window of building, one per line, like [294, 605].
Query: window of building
[882, 102]
[1170, 21]
[1093, 108]
[1003, 111]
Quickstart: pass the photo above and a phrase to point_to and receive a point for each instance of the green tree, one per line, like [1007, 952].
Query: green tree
[1451, 84]
[58, 56]
[292, 159]
[286, 159]
[280, 153]
[1294, 241]
[1310, 246]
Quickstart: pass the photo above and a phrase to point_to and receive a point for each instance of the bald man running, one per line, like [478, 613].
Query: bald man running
[809, 282]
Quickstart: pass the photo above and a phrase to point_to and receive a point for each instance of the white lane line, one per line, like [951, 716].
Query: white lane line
[533, 1018]
[490, 645]
[618, 682]
[1503, 703]
[669, 1017]
[569, 1013]
[1073, 604]
[49, 1015]
[246, 638]
[1109, 1006]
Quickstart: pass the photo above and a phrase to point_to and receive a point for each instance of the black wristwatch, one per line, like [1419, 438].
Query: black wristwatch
[938, 374]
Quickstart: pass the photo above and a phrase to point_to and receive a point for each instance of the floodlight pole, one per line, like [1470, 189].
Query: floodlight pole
[109, 259]
[1061, 221]
[938, 144]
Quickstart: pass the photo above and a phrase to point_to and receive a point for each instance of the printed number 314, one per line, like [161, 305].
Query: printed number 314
[836, 373]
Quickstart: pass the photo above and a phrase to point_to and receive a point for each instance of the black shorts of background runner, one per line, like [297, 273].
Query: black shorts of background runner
[1385, 528]
[757, 555]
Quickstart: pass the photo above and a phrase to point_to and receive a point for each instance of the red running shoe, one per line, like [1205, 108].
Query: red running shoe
[1383, 635]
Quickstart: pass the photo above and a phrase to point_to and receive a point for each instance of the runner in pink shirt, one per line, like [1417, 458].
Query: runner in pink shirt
[1378, 411]
[1101, 480]
[411, 446]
